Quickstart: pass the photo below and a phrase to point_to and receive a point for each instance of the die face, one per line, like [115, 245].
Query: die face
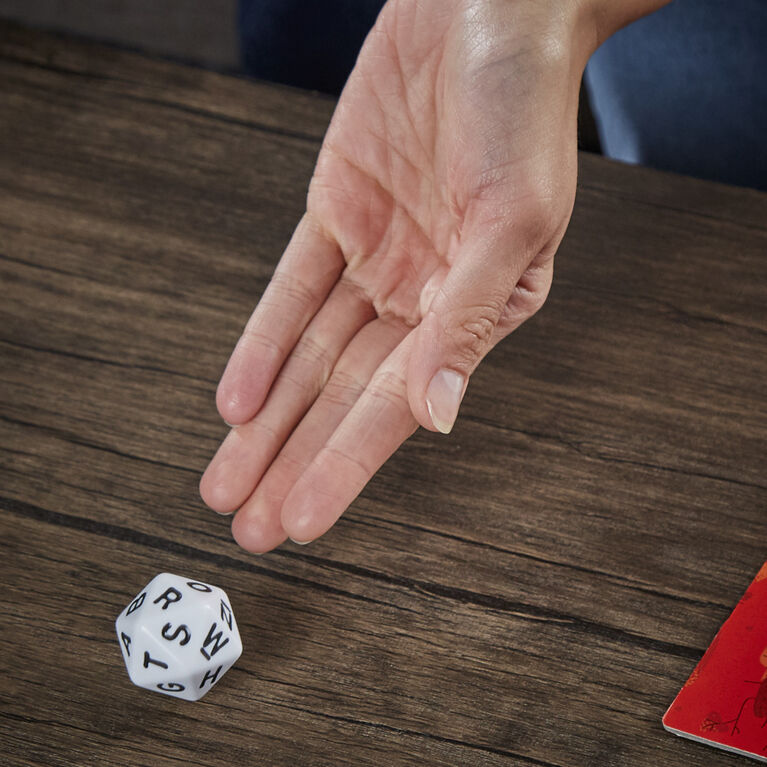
[195, 684]
[178, 636]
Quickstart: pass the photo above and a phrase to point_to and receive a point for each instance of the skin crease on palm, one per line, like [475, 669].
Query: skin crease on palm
[443, 188]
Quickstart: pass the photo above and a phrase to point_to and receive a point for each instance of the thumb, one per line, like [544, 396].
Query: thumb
[463, 321]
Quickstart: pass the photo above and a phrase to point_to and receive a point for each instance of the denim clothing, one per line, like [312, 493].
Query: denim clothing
[685, 89]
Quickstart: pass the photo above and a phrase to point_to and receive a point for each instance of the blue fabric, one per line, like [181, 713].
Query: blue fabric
[685, 89]
[306, 43]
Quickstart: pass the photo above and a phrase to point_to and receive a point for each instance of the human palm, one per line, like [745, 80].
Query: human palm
[442, 190]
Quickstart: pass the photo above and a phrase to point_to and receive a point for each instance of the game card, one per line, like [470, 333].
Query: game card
[724, 702]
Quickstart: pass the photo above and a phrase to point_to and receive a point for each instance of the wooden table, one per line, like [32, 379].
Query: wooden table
[532, 590]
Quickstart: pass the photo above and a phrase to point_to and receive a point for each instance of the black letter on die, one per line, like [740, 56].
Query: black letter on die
[167, 627]
[226, 614]
[209, 675]
[136, 603]
[126, 641]
[197, 586]
[148, 659]
[170, 687]
[170, 596]
[217, 643]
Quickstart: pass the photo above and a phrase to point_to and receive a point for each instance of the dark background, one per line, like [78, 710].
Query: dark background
[201, 32]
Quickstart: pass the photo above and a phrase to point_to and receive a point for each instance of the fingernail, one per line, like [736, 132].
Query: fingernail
[232, 406]
[443, 398]
[300, 543]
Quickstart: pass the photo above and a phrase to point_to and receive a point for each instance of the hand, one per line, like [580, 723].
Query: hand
[443, 188]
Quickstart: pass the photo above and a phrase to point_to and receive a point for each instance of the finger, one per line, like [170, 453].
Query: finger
[468, 314]
[308, 270]
[257, 526]
[529, 294]
[372, 430]
[249, 449]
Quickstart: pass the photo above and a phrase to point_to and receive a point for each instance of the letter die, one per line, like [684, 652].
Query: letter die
[178, 636]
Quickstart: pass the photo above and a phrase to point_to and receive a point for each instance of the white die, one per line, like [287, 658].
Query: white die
[178, 636]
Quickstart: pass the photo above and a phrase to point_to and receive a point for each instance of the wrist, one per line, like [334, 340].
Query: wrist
[599, 19]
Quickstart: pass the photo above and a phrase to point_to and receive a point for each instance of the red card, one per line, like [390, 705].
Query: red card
[724, 702]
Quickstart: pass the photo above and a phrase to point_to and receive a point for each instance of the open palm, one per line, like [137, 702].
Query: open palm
[444, 185]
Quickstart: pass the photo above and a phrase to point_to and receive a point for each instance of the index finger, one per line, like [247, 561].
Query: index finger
[378, 423]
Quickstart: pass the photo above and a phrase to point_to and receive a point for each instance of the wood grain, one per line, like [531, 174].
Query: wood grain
[532, 590]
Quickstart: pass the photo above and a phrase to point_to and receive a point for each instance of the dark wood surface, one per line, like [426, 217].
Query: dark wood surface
[532, 590]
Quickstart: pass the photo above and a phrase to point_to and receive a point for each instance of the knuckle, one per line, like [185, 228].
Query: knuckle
[305, 389]
[349, 459]
[479, 328]
[390, 387]
[527, 303]
[534, 285]
[475, 328]
[535, 302]
[354, 289]
[527, 298]
[307, 369]
[291, 289]
[342, 389]
[271, 434]
[538, 297]
[310, 350]
[254, 337]
[311, 360]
